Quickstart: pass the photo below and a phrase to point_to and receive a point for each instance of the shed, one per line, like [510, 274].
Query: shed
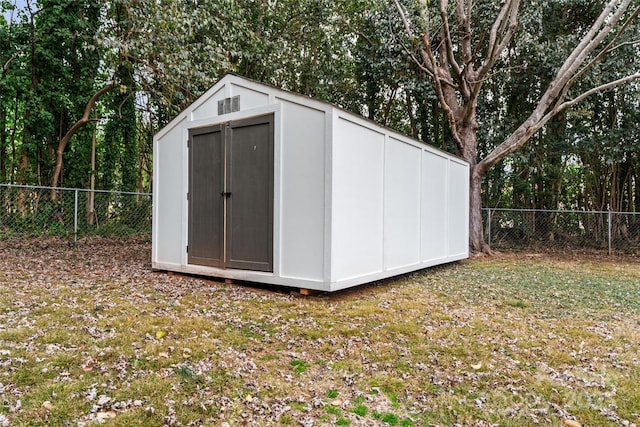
[255, 183]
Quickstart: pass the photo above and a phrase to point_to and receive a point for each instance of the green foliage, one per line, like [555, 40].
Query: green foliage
[299, 366]
[577, 161]
[360, 410]
[389, 418]
[56, 54]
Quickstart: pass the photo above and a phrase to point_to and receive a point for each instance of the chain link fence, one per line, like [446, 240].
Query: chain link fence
[34, 211]
[602, 231]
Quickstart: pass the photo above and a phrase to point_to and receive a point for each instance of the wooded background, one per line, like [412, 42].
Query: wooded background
[84, 85]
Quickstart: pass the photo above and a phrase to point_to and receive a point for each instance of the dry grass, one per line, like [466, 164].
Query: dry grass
[90, 335]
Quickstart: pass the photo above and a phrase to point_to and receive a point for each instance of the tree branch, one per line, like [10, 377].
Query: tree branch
[607, 49]
[600, 29]
[446, 104]
[447, 40]
[464, 29]
[535, 122]
[5, 67]
[496, 47]
[407, 27]
[430, 66]
[77, 125]
[567, 104]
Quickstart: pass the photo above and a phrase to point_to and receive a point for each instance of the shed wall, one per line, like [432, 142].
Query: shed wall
[249, 97]
[434, 206]
[208, 107]
[397, 205]
[302, 192]
[458, 195]
[401, 204]
[168, 195]
[357, 200]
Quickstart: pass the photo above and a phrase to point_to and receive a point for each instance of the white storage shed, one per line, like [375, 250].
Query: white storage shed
[258, 184]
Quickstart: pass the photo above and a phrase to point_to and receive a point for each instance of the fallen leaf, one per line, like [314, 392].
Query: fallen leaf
[478, 366]
[47, 405]
[186, 353]
[103, 400]
[160, 334]
[249, 398]
[571, 423]
[337, 402]
[105, 415]
[164, 354]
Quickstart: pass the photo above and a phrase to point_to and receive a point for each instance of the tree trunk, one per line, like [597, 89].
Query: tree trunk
[90, 196]
[67, 137]
[3, 145]
[13, 142]
[469, 152]
[476, 229]
[23, 169]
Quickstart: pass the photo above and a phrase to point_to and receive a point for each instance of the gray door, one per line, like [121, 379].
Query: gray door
[231, 195]
[250, 205]
[206, 205]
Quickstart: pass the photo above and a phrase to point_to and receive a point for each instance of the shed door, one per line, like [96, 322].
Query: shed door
[206, 183]
[231, 195]
[250, 204]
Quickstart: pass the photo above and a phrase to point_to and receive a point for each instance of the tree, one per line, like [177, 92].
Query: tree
[86, 117]
[458, 59]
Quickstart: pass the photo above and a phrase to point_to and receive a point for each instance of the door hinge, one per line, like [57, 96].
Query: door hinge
[187, 196]
[189, 143]
[187, 248]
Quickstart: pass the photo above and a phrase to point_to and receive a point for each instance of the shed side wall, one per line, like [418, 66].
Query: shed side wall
[401, 204]
[458, 195]
[169, 196]
[434, 206]
[302, 192]
[357, 200]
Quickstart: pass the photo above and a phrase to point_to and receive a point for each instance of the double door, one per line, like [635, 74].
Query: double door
[231, 195]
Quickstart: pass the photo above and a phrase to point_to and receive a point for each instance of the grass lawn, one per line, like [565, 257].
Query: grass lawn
[90, 335]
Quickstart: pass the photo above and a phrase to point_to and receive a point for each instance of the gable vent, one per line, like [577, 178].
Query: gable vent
[229, 105]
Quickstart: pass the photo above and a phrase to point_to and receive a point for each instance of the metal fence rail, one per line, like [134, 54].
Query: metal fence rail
[31, 211]
[613, 232]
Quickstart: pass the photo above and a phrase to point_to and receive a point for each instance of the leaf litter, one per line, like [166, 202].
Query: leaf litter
[90, 335]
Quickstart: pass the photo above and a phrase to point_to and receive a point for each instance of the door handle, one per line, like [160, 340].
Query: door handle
[226, 194]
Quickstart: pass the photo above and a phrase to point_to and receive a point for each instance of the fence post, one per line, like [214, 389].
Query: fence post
[489, 227]
[75, 217]
[609, 230]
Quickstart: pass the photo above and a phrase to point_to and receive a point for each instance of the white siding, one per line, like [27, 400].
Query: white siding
[434, 206]
[303, 192]
[169, 196]
[209, 107]
[458, 230]
[401, 204]
[358, 164]
[249, 98]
